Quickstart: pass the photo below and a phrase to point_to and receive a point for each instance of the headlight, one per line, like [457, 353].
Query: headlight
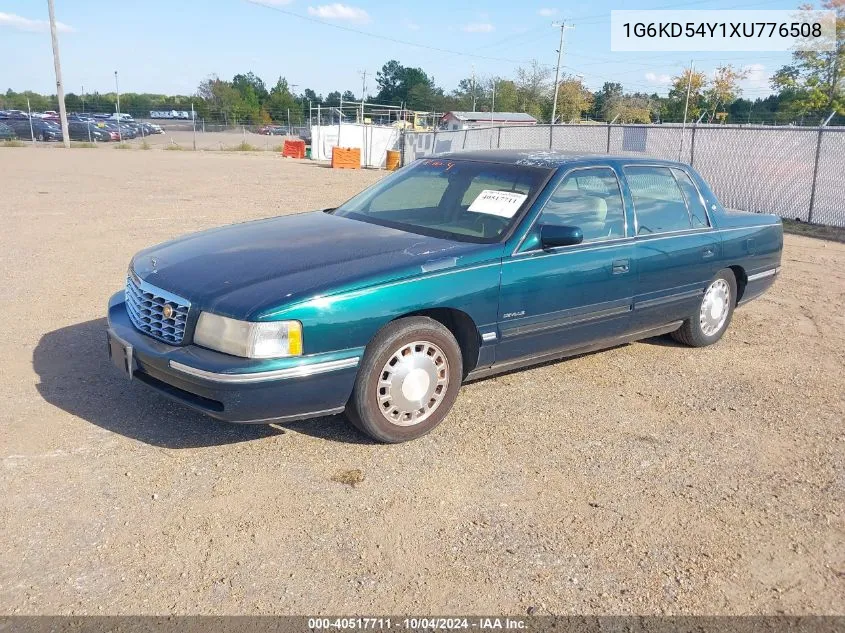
[249, 339]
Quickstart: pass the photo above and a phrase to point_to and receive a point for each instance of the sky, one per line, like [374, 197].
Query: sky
[169, 46]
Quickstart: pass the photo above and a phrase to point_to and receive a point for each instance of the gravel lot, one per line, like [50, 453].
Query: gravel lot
[650, 478]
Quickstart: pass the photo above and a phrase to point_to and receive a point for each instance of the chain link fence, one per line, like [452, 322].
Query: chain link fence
[793, 172]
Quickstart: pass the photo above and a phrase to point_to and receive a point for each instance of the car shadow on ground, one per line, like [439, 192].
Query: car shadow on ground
[76, 376]
[662, 341]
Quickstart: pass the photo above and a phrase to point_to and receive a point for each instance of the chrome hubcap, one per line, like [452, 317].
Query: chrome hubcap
[715, 307]
[413, 383]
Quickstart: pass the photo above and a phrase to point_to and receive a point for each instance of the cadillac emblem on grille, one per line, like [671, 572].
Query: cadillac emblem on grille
[157, 312]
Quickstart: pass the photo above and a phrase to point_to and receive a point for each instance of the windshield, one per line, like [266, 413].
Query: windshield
[464, 200]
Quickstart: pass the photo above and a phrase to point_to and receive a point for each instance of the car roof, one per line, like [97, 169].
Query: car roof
[553, 159]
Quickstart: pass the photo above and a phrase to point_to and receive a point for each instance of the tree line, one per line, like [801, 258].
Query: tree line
[805, 91]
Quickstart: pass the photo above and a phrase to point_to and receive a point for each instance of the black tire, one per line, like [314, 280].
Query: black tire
[692, 332]
[364, 408]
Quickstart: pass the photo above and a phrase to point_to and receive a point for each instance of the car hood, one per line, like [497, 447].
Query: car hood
[247, 269]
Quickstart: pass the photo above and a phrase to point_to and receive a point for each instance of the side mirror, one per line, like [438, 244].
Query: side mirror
[552, 235]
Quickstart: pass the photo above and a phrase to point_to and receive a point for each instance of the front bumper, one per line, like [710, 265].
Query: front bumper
[238, 389]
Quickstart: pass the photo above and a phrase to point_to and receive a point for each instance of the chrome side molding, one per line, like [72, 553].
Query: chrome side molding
[764, 274]
[300, 371]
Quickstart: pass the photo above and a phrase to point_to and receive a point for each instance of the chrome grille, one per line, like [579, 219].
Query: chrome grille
[145, 305]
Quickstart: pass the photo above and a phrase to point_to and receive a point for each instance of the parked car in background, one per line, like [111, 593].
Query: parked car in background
[88, 131]
[6, 133]
[272, 130]
[124, 131]
[171, 114]
[43, 130]
[457, 267]
[13, 114]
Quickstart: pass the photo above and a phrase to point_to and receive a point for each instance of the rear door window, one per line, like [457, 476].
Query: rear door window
[659, 203]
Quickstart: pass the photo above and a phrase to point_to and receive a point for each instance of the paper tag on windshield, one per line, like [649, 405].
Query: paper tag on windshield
[502, 203]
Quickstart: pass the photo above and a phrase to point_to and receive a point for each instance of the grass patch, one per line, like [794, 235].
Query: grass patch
[84, 145]
[243, 146]
[349, 477]
[123, 146]
[174, 147]
[146, 145]
[819, 231]
[12, 143]
[279, 148]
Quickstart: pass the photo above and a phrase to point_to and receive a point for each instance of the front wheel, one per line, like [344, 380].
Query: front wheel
[714, 313]
[408, 381]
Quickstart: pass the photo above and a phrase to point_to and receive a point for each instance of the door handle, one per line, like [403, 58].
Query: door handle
[708, 252]
[621, 266]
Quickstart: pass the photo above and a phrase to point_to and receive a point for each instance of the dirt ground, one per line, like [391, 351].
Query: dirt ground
[647, 479]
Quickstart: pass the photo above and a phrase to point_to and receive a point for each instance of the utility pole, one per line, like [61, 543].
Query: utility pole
[60, 91]
[83, 98]
[492, 108]
[686, 109]
[117, 92]
[292, 89]
[363, 74]
[563, 26]
[473, 87]
[29, 112]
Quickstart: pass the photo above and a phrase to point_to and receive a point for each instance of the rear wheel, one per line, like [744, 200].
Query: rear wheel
[714, 313]
[408, 381]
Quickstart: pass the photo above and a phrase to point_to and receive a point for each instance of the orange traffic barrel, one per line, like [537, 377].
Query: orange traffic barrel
[393, 159]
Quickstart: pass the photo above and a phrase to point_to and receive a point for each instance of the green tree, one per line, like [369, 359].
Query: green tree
[507, 95]
[816, 79]
[462, 96]
[696, 83]
[222, 101]
[723, 90]
[399, 84]
[573, 99]
[608, 102]
[637, 108]
[534, 85]
[281, 101]
[313, 97]
[250, 84]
